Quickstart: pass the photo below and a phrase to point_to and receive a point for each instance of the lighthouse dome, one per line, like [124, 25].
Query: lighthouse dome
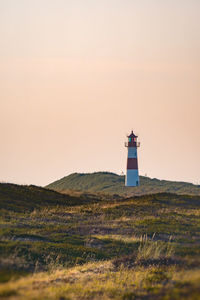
[132, 135]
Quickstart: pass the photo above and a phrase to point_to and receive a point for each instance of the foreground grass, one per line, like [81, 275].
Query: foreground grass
[103, 280]
[144, 247]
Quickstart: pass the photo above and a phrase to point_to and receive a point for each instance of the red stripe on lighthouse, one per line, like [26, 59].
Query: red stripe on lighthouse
[132, 163]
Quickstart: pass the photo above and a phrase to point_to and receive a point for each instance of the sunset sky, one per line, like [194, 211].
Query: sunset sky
[77, 76]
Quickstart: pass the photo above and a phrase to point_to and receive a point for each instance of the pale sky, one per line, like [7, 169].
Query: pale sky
[77, 76]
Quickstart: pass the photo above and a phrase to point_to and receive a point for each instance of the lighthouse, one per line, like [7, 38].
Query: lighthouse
[132, 176]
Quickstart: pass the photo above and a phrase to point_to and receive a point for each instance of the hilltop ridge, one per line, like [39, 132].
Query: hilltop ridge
[21, 198]
[111, 183]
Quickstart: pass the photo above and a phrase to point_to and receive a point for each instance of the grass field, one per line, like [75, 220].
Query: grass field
[113, 184]
[55, 246]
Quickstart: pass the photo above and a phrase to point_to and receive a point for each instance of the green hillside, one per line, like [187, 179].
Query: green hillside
[27, 198]
[110, 183]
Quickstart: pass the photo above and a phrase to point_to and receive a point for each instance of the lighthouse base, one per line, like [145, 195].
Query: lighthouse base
[132, 178]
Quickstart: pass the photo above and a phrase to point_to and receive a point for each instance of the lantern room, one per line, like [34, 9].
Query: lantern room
[132, 140]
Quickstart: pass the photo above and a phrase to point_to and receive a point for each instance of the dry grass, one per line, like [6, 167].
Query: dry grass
[150, 249]
[101, 281]
[103, 250]
[118, 237]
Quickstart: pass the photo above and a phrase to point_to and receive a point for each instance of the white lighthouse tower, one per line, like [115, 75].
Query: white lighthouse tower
[132, 176]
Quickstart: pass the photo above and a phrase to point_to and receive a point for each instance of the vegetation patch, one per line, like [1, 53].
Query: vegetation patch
[56, 246]
[113, 184]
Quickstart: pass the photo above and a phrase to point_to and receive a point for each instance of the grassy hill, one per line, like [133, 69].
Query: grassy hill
[110, 183]
[55, 246]
[27, 198]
